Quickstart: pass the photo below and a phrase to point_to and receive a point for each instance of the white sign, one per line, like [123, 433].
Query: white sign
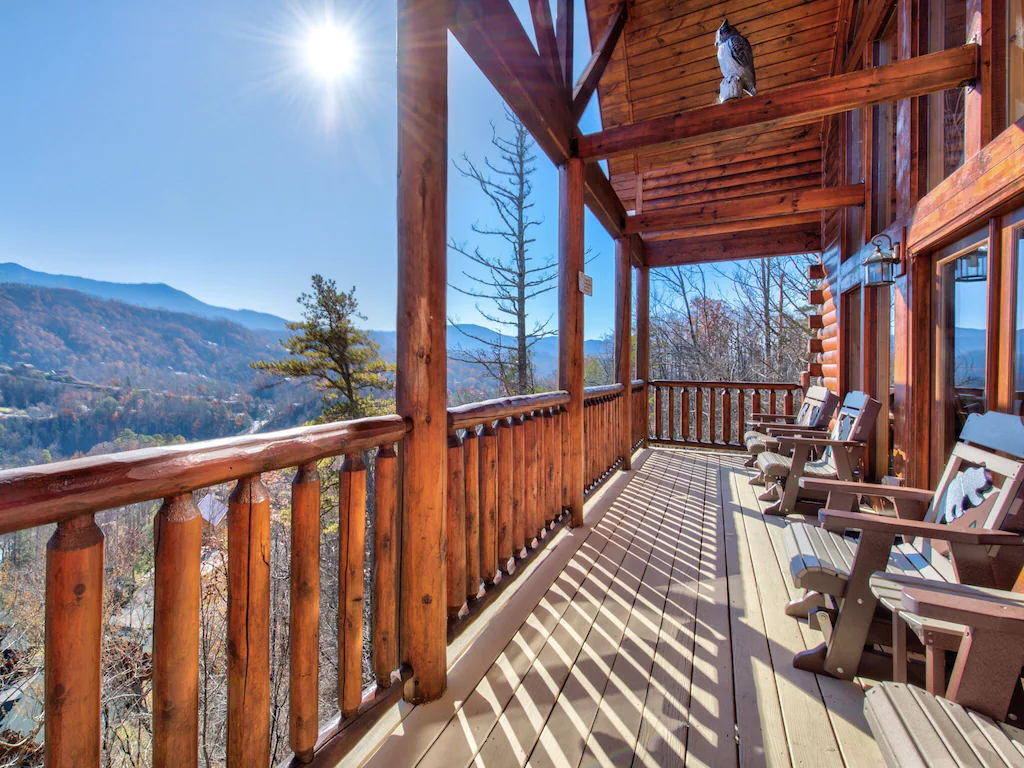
[586, 285]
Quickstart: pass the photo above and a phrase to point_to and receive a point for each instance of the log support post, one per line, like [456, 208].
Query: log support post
[643, 339]
[421, 387]
[624, 347]
[570, 322]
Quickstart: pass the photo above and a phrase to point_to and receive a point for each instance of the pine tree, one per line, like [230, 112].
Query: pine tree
[339, 359]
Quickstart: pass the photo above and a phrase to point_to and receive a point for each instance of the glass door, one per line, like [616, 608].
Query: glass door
[961, 342]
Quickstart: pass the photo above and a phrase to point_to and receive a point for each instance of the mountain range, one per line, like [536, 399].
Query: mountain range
[151, 295]
[270, 328]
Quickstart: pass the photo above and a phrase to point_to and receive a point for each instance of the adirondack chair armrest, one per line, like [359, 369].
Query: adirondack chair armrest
[838, 521]
[893, 492]
[761, 417]
[787, 442]
[979, 610]
[795, 430]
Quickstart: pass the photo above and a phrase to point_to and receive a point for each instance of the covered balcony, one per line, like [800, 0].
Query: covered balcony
[583, 576]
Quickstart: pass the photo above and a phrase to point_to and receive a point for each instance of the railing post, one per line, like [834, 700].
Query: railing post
[74, 620]
[532, 478]
[505, 492]
[685, 408]
[657, 413]
[471, 453]
[421, 359]
[566, 460]
[788, 403]
[741, 415]
[351, 560]
[699, 413]
[304, 613]
[570, 320]
[456, 525]
[248, 624]
[671, 413]
[519, 486]
[624, 345]
[488, 503]
[727, 416]
[385, 565]
[177, 545]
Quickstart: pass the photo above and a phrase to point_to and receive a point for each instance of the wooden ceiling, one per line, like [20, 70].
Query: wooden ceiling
[666, 62]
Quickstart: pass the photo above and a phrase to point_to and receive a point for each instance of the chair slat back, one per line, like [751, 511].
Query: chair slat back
[818, 406]
[855, 421]
[1001, 509]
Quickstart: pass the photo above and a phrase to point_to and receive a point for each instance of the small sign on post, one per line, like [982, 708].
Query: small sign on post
[586, 285]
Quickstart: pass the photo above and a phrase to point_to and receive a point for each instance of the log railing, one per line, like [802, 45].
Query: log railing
[71, 493]
[639, 418]
[506, 489]
[507, 493]
[713, 414]
[602, 414]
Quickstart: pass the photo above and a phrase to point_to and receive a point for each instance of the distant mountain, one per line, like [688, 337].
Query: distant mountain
[152, 295]
[271, 328]
[472, 337]
[98, 340]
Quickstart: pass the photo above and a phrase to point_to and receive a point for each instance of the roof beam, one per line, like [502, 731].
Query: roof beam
[565, 26]
[875, 14]
[746, 208]
[595, 68]
[750, 226]
[790, 105]
[544, 30]
[781, 242]
[490, 32]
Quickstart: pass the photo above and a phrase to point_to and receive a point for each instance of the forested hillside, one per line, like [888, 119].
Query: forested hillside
[98, 340]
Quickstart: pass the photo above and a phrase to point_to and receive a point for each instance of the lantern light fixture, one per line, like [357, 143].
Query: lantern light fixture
[880, 268]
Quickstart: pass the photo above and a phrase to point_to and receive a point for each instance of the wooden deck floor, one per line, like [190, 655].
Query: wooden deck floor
[658, 639]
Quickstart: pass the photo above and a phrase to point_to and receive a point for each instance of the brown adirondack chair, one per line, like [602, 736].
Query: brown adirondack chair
[838, 457]
[963, 727]
[815, 413]
[979, 548]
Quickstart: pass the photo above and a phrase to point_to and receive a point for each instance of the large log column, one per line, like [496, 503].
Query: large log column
[624, 346]
[570, 322]
[422, 349]
[643, 335]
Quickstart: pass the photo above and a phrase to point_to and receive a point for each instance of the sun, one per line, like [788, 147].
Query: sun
[330, 52]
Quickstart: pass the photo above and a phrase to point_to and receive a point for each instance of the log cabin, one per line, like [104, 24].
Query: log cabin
[553, 580]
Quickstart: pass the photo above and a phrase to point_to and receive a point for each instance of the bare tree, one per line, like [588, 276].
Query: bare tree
[506, 277]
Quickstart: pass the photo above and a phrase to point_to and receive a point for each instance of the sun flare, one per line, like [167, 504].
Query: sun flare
[330, 52]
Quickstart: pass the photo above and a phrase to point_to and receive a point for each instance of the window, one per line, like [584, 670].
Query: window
[947, 28]
[883, 133]
[854, 147]
[962, 327]
[851, 340]
[1018, 335]
[1015, 60]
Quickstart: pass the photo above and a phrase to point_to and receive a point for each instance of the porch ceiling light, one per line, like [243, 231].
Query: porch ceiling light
[880, 266]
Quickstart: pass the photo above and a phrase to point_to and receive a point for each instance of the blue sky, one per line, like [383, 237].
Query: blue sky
[188, 143]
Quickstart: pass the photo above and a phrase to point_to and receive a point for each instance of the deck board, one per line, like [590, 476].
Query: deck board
[662, 642]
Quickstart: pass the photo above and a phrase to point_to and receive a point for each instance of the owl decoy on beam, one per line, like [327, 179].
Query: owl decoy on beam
[736, 60]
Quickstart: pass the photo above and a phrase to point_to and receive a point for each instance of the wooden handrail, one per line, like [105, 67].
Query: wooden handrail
[726, 384]
[606, 390]
[475, 414]
[50, 493]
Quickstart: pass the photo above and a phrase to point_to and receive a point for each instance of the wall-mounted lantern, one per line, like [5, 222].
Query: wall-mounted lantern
[972, 267]
[881, 267]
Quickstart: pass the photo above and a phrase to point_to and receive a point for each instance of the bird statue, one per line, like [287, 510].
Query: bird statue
[736, 60]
